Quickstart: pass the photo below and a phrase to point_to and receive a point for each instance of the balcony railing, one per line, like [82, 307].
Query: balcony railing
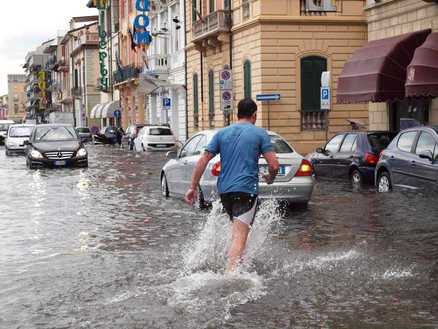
[159, 64]
[211, 25]
[126, 73]
[86, 39]
[315, 120]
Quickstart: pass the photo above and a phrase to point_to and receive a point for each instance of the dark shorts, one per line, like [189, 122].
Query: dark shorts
[240, 206]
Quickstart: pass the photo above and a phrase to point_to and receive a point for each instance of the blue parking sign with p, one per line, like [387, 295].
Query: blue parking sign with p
[325, 98]
[325, 93]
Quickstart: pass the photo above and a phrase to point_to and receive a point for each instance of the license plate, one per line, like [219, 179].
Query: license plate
[281, 170]
[60, 163]
[161, 145]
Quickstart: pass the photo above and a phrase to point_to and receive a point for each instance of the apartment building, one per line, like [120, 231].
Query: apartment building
[16, 97]
[272, 47]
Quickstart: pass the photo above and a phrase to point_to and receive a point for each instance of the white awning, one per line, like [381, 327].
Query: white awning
[95, 112]
[109, 108]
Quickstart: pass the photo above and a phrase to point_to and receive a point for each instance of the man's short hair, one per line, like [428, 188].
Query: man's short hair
[246, 108]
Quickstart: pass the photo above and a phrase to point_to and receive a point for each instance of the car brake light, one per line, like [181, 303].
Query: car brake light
[371, 159]
[216, 170]
[305, 169]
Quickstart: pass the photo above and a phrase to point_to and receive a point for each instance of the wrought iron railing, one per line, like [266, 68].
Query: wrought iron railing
[126, 73]
[216, 22]
[315, 120]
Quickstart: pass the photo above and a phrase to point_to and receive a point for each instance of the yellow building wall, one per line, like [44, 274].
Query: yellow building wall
[274, 39]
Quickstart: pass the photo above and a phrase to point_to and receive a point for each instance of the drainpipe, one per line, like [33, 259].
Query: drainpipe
[185, 70]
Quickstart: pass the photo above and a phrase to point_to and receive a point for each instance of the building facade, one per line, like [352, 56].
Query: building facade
[4, 107]
[16, 97]
[395, 18]
[273, 46]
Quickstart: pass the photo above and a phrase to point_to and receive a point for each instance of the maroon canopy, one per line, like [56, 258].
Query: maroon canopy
[422, 78]
[377, 71]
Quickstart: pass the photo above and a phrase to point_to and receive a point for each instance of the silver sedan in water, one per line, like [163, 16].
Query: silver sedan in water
[294, 182]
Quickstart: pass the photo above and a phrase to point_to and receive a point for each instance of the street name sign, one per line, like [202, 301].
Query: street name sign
[268, 97]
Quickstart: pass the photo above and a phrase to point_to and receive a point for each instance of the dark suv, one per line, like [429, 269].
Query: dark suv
[410, 161]
[352, 155]
[55, 145]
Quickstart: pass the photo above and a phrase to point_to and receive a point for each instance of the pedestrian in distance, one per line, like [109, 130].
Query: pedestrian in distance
[240, 147]
[119, 134]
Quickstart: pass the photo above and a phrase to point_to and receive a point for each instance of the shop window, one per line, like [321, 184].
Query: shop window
[312, 117]
[195, 101]
[211, 98]
[246, 9]
[247, 79]
[407, 113]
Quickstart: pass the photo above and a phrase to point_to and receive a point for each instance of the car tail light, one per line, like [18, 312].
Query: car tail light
[216, 170]
[305, 169]
[371, 159]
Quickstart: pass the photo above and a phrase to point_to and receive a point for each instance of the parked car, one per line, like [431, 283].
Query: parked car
[106, 135]
[351, 155]
[4, 126]
[155, 138]
[131, 134]
[16, 138]
[55, 145]
[410, 161]
[84, 134]
[294, 182]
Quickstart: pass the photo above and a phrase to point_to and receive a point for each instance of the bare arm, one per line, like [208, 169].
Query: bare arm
[197, 174]
[273, 166]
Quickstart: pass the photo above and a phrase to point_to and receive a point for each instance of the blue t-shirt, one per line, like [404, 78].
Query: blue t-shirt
[240, 146]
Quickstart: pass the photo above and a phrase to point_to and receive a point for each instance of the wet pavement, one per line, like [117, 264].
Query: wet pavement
[100, 248]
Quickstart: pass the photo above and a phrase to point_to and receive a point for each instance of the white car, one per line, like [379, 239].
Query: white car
[16, 138]
[155, 138]
[4, 126]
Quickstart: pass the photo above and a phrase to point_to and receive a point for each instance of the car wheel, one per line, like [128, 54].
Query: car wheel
[384, 184]
[356, 178]
[164, 186]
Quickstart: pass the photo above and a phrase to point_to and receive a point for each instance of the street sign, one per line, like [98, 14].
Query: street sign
[226, 101]
[167, 103]
[325, 98]
[225, 80]
[268, 97]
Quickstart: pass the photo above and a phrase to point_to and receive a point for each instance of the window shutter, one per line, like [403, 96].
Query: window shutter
[311, 69]
[212, 5]
[247, 79]
[194, 9]
[195, 101]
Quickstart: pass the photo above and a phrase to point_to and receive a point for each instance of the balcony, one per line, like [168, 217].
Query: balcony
[85, 40]
[211, 26]
[125, 74]
[315, 120]
[158, 65]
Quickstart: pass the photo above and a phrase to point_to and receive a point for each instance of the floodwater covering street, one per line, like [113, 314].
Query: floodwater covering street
[101, 248]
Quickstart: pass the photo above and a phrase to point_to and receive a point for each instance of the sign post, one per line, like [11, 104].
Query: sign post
[326, 97]
[226, 92]
[268, 98]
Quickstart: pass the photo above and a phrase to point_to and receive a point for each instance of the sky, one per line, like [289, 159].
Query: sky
[26, 24]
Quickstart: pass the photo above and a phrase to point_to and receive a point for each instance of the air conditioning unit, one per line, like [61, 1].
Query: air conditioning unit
[320, 5]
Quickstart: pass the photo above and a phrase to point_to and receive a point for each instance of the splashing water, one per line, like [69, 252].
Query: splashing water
[203, 288]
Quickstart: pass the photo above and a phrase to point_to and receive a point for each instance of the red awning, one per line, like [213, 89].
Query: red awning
[377, 71]
[422, 79]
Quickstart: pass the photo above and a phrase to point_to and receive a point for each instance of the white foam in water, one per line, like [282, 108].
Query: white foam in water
[203, 286]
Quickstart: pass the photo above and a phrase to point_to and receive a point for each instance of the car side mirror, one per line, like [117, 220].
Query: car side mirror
[321, 150]
[426, 155]
[171, 155]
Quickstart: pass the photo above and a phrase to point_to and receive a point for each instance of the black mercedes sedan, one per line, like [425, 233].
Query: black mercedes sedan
[55, 145]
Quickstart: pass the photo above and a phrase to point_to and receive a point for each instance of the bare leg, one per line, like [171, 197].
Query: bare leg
[238, 243]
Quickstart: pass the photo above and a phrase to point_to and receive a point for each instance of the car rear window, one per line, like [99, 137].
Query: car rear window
[160, 132]
[20, 131]
[380, 141]
[280, 145]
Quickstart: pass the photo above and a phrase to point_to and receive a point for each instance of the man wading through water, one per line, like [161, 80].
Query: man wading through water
[240, 146]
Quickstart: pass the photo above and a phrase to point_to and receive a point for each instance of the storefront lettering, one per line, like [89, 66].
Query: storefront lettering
[104, 81]
[141, 22]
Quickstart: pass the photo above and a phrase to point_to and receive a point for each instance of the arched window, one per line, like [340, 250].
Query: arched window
[211, 98]
[247, 88]
[311, 69]
[195, 101]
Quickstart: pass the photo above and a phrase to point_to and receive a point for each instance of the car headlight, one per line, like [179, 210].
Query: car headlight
[81, 153]
[36, 154]
[10, 144]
